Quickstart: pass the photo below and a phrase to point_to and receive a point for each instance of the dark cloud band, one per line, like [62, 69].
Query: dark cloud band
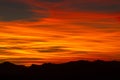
[51, 1]
[12, 10]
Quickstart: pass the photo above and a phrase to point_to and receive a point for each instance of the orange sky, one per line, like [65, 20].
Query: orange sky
[39, 31]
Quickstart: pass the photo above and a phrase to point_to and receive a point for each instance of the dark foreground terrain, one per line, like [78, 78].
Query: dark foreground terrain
[77, 70]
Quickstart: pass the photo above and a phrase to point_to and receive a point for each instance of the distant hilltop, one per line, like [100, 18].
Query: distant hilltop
[75, 70]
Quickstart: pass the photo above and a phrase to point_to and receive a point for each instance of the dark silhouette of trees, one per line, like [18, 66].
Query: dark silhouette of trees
[75, 70]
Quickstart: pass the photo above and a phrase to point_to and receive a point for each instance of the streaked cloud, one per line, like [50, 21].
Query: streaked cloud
[52, 49]
[33, 31]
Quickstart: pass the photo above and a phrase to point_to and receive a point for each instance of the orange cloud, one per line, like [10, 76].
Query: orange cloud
[61, 35]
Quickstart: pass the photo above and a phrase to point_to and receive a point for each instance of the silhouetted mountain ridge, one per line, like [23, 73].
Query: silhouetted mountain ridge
[74, 70]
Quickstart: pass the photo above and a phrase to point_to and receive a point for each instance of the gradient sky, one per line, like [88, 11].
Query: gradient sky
[39, 31]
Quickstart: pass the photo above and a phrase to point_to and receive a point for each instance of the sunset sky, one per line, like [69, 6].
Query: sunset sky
[40, 31]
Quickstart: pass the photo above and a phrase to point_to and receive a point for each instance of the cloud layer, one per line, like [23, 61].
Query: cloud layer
[33, 31]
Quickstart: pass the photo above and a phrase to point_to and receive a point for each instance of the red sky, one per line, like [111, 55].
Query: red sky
[39, 31]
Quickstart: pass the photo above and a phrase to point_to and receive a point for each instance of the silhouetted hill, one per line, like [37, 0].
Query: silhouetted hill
[75, 70]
